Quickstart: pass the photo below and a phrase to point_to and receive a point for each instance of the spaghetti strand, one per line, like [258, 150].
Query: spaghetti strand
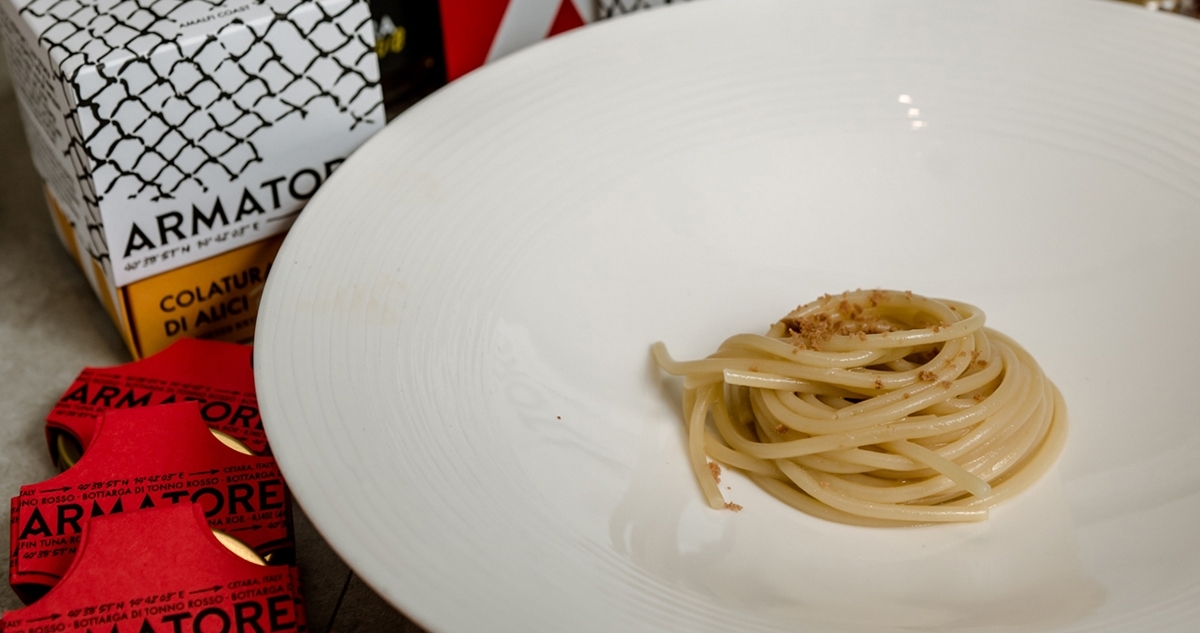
[876, 408]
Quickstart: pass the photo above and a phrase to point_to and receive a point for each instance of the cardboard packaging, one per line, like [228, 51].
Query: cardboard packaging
[162, 571]
[613, 8]
[475, 32]
[218, 376]
[144, 458]
[178, 141]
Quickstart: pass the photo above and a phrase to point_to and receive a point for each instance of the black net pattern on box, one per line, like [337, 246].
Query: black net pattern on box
[612, 8]
[162, 111]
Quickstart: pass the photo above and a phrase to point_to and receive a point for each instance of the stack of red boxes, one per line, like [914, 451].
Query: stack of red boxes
[169, 515]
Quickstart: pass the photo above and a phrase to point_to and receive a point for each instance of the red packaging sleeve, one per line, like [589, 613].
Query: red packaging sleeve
[162, 571]
[147, 458]
[218, 376]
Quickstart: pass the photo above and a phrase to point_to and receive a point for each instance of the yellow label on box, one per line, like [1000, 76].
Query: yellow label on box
[66, 233]
[216, 298]
[113, 304]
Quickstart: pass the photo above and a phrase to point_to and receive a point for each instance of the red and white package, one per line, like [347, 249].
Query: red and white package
[162, 571]
[218, 376]
[146, 458]
[475, 32]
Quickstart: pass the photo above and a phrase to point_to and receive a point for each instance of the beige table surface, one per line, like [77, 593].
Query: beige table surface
[51, 326]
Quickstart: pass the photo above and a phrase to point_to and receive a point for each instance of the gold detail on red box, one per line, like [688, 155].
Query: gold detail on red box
[218, 376]
[69, 451]
[146, 458]
[239, 548]
[162, 571]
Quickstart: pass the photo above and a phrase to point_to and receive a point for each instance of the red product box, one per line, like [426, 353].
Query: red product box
[162, 571]
[219, 376]
[145, 458]
[475, 32]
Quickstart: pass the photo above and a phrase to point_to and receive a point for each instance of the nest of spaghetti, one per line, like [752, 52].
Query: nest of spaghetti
[874, 408]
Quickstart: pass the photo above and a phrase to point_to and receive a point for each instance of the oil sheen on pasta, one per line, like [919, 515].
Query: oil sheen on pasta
[876, 408]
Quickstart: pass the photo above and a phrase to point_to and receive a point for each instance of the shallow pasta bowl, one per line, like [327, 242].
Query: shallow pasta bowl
[453, 353]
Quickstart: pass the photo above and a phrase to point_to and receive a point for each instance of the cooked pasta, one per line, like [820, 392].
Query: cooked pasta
[877, 408]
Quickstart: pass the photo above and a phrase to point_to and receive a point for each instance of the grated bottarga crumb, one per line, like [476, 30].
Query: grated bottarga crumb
[733, 506]
[715, 469]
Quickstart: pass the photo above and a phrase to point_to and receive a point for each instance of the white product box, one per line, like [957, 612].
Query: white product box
[172, 131]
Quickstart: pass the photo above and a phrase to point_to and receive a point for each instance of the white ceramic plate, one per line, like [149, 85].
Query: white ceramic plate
[453, 350]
